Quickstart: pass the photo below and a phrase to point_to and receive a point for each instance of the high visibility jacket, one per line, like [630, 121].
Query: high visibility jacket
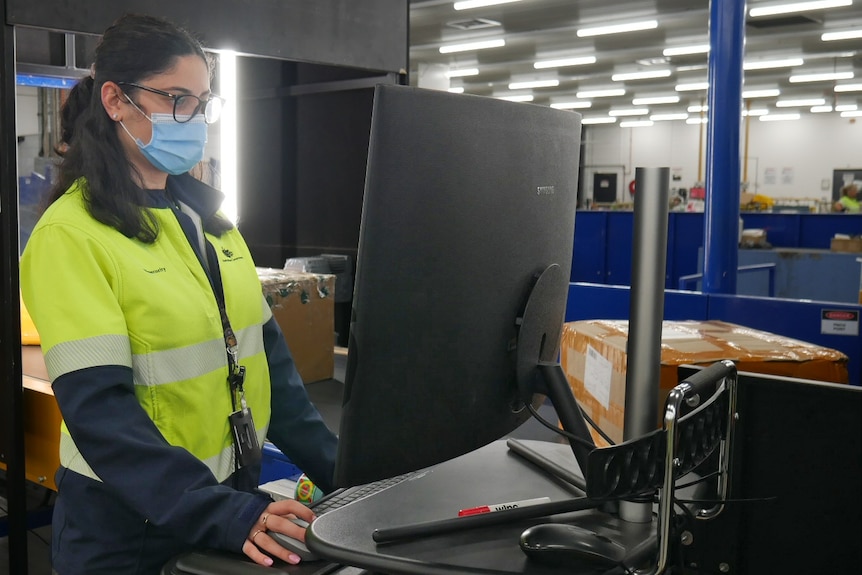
[135, 350]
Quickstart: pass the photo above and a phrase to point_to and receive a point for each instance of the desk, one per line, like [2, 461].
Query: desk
[489, 475]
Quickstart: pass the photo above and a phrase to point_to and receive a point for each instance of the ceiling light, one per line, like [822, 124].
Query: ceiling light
[480, 45]
[636, 123]
[617, 28]
[562, 62]
[695, 109]
[655, 100]
[820, 109]
[849, 88]
[587, 94]
[697, 121]
[755, 112]
[846, 35]
[534, 84]
[458, 90]
[574, 104]
[668, 117]
[828, 77]
[517, 98]
[852, 114]
[787, 8]
[467, 4]
[640, 75]
[692, 87]
[629, 112]
[598, 120]
[684, 50]
[779, 117]
[769, 64]
[462, 72]
[767, 93]
[800, 102]
[846, 107]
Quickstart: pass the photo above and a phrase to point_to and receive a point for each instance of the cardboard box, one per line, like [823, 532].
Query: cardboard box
[593, 355]
[304, 307]
[846, 245]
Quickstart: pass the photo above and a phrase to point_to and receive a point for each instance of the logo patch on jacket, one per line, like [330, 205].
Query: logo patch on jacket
[229, 257]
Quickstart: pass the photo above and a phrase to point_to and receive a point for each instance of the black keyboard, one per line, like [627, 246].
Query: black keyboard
[342, 497]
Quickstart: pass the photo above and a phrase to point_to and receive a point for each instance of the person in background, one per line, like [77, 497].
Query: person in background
[167, 365]
[849, 203]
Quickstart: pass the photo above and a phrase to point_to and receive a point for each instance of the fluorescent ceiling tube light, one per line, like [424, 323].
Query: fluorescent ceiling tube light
[629, 112]
[636, 124]
[849, 88]
[768, 93]
[692, 87]
[800, 102]
[517, 98]
[534, 84]
[828, 77]
[769, 64]
[696, 109]
[755, 112]
[820, 109]
[457, 90]
[640, 75]
[779, 117]
[852, 114]
[684, 50]
[668, 117]
[480, 45]
[617, 28]
[587, 94]
[655, 100]
[228, 131]
[787, 8]
[598, 120]
[697, 121]
[467, 4]
[462, 72]
[846, 35]
[846, 107]
[573, 105]
[562, 62]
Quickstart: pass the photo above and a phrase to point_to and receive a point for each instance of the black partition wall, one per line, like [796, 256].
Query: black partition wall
[306, 76]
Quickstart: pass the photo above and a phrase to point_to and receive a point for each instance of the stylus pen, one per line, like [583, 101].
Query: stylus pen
[441, 526]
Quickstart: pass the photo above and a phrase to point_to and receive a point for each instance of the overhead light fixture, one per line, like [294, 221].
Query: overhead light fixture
[686, 50]
[573, 105]
[849, 88]
[563, 62]
[846, 35]
[480, 45]
[802, 102]
[462, 72]
[827, 77]
[456, 90]
[846, 107]
[629, 112]
[636, 124]
[517, 98]
[228, 130]
[534, 84]
[697, 121]
[467, 4]
[692, 87]
[779, 117]
[820, 109]
[766, 93]
[769, 64]
[617, 28]
[852, 114]
[668, 117]
[598, 120]
[641, 75]
[755, 112]
[650, 100]
[610, 93]
[696, 109]
[787, 8]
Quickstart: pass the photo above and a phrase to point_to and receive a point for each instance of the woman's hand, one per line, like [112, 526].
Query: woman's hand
[276, 517]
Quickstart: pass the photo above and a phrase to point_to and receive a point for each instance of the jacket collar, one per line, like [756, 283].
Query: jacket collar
[202, 198]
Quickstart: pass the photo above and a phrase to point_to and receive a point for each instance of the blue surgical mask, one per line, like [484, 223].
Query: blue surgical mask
[175, 148]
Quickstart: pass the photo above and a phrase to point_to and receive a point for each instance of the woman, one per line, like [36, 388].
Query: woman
[158, 342]
[849, 203]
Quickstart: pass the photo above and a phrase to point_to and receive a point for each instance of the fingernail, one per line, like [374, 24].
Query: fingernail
[267, 561]
[293, 559]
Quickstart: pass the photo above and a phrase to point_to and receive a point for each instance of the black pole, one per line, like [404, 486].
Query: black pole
[11, 392]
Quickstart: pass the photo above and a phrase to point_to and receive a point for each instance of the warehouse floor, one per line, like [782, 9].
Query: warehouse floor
[326, 395]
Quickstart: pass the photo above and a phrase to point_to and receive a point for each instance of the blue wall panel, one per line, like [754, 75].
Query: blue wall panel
[595, 301]
[589, 254]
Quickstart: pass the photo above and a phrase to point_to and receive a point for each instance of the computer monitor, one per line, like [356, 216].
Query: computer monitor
[461, 281]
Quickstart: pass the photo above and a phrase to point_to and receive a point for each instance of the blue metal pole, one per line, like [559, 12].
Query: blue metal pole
[721, 229]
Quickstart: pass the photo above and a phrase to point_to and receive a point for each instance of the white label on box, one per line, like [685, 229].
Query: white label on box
[597, 376]
[839, 321]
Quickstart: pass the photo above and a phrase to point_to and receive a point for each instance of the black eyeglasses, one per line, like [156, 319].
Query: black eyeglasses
[187, 106]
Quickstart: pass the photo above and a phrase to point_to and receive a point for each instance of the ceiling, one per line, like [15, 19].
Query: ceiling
[548, 30]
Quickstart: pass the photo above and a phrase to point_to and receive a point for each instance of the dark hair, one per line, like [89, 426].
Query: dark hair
[132, 49]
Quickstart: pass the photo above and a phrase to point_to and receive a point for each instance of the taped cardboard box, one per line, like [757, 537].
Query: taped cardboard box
[304, 307]
[593, 355]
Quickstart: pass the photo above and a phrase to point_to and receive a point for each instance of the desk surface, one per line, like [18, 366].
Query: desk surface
[487, 476]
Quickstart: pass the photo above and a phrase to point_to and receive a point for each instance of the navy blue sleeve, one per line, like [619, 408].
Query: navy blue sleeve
[115, 435]
[296, 427]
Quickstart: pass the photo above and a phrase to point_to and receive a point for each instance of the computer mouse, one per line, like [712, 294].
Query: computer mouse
[563, 544]
[295, 545]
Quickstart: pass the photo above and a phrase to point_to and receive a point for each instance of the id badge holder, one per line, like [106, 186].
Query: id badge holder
[247, 447]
